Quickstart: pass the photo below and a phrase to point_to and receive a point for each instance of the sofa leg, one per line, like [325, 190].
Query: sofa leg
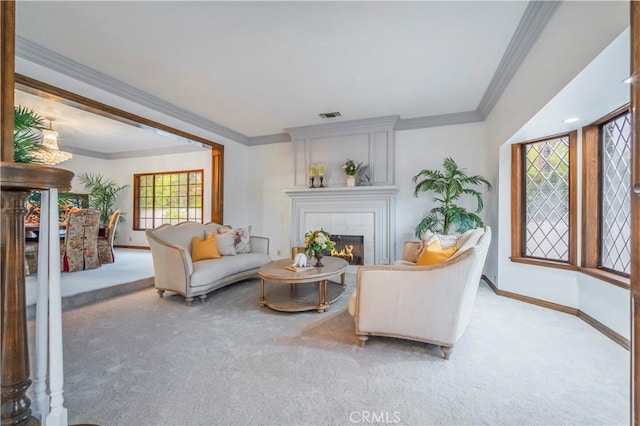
[363, 340]
[202, 297]
[161, 293]
[188, 300]
[446, 351]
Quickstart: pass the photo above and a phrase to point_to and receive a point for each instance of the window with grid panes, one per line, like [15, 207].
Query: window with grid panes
[168, 197]
[615, 201]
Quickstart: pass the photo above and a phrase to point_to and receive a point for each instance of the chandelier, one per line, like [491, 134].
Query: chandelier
[49, 153]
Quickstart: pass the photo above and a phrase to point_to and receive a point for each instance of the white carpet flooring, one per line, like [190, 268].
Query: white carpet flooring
[130, 265]
[141, 360]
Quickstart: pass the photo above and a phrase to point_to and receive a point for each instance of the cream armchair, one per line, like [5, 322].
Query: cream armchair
[430, 304]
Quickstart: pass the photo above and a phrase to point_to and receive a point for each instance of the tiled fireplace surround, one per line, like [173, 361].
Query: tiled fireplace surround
[368, 211]
[361, 210]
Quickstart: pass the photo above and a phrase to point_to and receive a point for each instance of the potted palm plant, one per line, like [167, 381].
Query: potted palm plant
[26, 135]
[449, 185]
[103, 194]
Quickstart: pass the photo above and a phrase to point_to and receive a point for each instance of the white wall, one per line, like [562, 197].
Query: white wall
[605, 302]
[272, 171]
[238, 185]
[421, 149]
[576, 34]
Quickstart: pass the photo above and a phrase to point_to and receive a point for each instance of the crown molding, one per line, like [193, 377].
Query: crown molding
[267, 139]
[155, 151]
[84, 152]
[132, 154]
[42, 56]
[439, 120]
[365, 123]
[533, 21]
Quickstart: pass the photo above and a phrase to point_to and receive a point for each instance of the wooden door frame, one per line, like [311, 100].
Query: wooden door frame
[56, 94]
[635, 214]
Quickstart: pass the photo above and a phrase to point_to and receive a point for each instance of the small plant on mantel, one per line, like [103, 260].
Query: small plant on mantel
[449, 185]
[351, 168]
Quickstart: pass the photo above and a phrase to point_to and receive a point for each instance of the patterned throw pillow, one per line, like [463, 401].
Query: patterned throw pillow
[242, 239]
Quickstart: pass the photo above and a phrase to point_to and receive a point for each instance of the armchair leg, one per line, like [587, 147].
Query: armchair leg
[161, 293]
[188, 300]
[363, 340]
[202, 297]
[446, 351]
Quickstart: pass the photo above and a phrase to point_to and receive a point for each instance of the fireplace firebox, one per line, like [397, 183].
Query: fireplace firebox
[349, 248]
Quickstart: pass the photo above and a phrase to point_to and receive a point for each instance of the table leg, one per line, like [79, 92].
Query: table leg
[326, 295]
[320, 294]
[343, 280]
[323, 296]
[262, 299]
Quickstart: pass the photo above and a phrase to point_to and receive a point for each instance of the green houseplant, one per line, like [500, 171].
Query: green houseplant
[103, 193]
[26, 135]
[449, 185]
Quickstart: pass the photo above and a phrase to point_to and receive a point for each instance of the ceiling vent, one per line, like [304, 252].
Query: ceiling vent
[330, 114]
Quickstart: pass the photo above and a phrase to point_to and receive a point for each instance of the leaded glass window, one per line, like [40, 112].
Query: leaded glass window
[615, 201]
[546, 182]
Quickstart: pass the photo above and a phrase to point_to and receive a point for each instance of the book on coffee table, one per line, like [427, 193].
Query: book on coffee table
[297, 268]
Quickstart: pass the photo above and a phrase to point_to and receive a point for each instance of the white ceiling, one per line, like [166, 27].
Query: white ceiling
[86, 133]
[261, 67]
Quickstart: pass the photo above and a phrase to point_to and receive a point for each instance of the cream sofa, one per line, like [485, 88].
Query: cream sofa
[174, 271]
[430, 304]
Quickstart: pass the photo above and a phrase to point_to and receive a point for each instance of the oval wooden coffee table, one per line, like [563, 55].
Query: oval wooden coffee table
[304, 290]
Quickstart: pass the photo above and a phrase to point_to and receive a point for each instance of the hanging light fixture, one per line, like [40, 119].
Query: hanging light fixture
[49, 152]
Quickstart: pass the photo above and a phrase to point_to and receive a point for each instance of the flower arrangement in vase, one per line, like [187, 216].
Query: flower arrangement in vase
[316, 242]
[351, 168]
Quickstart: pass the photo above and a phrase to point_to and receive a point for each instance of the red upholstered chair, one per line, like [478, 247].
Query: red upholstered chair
[105, 244]
[80, 248]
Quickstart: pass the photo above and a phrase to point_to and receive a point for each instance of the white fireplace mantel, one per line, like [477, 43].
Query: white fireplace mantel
[378, 201]
[343, 191]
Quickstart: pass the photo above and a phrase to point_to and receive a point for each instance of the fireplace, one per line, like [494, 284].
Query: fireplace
[368, 211]
[349, 248]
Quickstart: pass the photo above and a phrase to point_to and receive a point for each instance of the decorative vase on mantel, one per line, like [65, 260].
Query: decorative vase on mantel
[318, 255]
[351, 180]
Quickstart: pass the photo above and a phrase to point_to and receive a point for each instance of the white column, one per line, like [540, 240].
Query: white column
[41, 397]
[58, 414]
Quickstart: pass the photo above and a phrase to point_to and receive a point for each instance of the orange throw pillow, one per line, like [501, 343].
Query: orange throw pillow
[434, 254]
[204, 249]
